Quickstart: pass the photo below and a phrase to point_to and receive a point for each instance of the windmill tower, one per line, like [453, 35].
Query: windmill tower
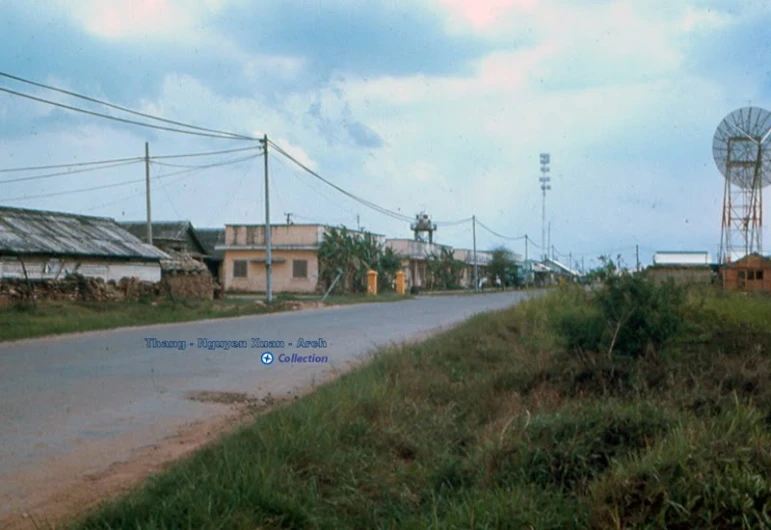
[742, 151]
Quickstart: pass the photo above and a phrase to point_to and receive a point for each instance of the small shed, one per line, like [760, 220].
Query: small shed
[43, 245]
[751, 273]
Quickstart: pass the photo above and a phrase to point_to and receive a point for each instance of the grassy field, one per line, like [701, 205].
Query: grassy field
[551, 415]
[54, 317]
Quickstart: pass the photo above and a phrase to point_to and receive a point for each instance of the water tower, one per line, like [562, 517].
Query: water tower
[742, 154]
[423, 224]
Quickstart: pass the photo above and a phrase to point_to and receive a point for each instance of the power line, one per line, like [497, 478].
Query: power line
[497, 234]
[74, 164]
[365, 202]
[116, 160]
[123, 183]
[73, 172]
[123, 120]
[124, 109]
[308, 184]
[454, 223]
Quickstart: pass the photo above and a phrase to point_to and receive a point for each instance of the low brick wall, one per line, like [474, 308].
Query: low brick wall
[200, 286]
[76, 287]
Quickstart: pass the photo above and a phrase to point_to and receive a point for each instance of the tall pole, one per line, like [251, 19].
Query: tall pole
[527, 271]
[476, 268]
[268, 254]
[544, 179]
[637, 252]
[147, 191]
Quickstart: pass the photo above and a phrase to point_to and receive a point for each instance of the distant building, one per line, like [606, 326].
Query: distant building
[211, 238]
[294, 257]
[177, 236]
[751, 273]
[681, 257]
[683, 267]
[48, 245]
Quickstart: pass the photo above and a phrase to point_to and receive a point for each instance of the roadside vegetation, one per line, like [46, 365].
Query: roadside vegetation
[634, 405]
[25, 320]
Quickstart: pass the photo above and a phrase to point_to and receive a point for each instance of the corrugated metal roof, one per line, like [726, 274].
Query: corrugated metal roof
[210, 238]
[25, 231]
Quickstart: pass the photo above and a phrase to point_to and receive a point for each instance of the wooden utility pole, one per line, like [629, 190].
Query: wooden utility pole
[268, 256]
[476, 269]
[147, 191]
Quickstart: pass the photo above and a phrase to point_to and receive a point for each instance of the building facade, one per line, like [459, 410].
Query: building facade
[39, 245]
[294, 257]
[751, 273]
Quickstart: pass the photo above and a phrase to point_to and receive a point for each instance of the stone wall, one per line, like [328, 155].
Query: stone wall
[185, 285]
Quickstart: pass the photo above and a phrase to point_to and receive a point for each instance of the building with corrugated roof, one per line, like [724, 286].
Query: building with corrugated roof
[38, 244]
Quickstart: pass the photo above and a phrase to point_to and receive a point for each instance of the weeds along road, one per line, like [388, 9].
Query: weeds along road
[73, 405]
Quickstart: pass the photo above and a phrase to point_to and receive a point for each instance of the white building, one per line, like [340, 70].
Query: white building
[681, 257]
[37, 245]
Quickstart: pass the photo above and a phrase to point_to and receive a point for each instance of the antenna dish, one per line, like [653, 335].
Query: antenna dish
[742, 148]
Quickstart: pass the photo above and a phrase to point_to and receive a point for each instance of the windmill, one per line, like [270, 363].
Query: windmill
[742, 151]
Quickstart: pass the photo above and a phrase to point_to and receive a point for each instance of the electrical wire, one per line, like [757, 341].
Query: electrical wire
[453, 223]
[115, 118]
[74, 164]
[115, 160]
[124, 109]
[308, 184]
[73, 172]
[365, 202]
[497, 234]
[123, 183]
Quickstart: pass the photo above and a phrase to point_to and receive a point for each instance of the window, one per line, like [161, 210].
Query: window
[758, 275]
[742, 275]
[750, 275]
[239, 268]
[299, 268]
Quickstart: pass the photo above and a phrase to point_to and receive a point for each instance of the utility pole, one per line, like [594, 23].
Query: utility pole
[268, 256]
[476, 269]
[147, 187]
[358, 224]
[583, 269]
[570, 260]
[527, 271]
[637, 251]
[288, 218]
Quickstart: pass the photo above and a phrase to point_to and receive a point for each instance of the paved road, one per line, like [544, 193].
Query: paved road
[57, 394]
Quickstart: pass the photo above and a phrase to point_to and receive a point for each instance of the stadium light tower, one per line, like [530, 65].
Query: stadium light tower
[545, 186]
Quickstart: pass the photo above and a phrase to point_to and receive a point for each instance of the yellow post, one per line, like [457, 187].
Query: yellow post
[400, 287]
[372, 283]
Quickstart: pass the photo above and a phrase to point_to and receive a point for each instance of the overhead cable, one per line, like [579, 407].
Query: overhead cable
[384, 211]
[115, 118]
[124, 109]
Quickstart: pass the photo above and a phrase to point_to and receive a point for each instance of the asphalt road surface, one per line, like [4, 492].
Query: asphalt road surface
[59, 394]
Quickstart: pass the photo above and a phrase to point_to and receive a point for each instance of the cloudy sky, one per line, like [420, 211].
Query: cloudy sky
[435, 105]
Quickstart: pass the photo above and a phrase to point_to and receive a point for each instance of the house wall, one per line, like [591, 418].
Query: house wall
[44, 267]
[254, 235]
[731, 279]
[282, 280]
[681, 275]
[681, 258]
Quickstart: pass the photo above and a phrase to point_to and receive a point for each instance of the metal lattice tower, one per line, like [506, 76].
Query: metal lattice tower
[545, 186]
[741, 151]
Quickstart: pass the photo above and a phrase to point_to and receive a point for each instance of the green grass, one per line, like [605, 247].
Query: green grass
[54, 317]
[495, 425]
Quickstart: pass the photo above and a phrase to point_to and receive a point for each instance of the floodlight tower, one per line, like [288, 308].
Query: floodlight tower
[743, 155]
[545, 186]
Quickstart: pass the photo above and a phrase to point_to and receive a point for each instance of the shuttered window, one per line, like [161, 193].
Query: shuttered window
[299, 268]
[239, 268]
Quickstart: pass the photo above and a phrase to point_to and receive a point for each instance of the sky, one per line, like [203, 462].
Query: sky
[442, 106]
